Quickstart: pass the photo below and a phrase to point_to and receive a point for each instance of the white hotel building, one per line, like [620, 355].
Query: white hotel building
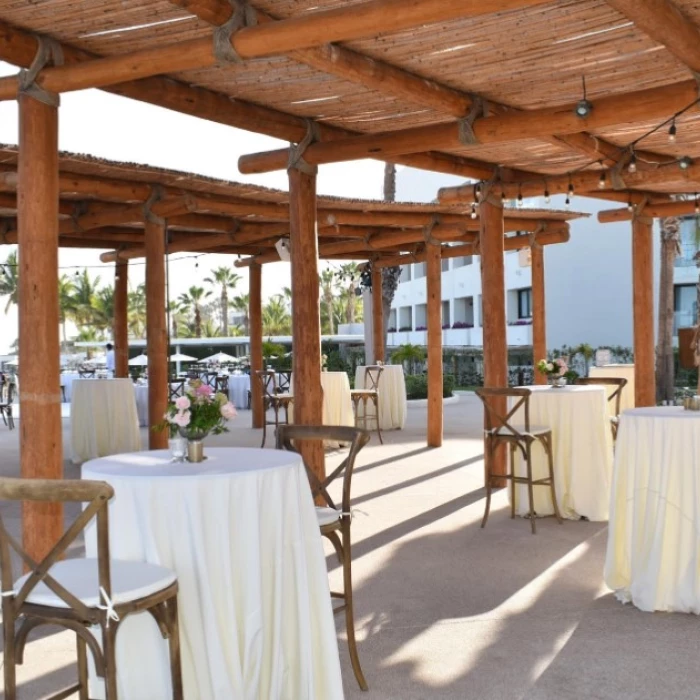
[588, 282]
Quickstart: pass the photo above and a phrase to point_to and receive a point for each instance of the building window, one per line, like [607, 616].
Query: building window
[418, 270]
[445, 314]
[445, 264]
[688, 243]
[463, 261]
[525, 303]
[685, 306]
[405, 275]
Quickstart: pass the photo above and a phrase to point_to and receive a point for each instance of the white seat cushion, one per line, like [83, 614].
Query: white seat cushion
[534, 430]
[326, 516]
[284, 396]
[364, 391]
[131, 580]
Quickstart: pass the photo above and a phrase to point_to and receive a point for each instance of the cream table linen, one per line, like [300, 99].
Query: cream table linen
[103, 418]
[582, 450]
[67, 379]
[392, 396]
[337, 404]
[240, 531]
[238, 388]
[653, 554]
[623, 372]
[141, 395]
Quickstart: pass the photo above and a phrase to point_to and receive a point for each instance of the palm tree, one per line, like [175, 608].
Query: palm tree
[225, 279]
[390, 275]
[242, 303]
[66, 303]
[103, 309]
[89, 335]
[670, 250]
[327, 281]
[408, 353]
[209, 330]
[84, 297]
[191, 302]
[349, 274]
[275, 317]
[9, 280]
[137, 311]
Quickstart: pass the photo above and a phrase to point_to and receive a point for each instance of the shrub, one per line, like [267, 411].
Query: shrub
[417, 386]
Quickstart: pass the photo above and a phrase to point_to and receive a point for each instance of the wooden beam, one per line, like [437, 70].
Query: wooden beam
[156, 333]
[364, 20]
[643, 312]
[40, 425]
[377, 315]
[679, 208]
[433, 280]
[306, 318]
[608, 153]
[256, 340]
[491, 248]
[666, 24]
[539, 316]
[121, 319]
[641, 105]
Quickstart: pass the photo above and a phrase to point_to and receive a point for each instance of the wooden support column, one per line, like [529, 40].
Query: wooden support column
[434, 312]
[494, 308]
[120, 329]
[306, 317]
[643, 305]
[255, 330]
[539, 320]
[156, 332]
[40, 427]
[377, 315]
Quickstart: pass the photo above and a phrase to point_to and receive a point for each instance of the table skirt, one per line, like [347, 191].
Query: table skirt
[392, 396]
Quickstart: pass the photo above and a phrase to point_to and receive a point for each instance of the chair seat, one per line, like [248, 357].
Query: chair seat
[363, 391]
[326, 515]
[283, 397]
[534, 430]
[131, 580]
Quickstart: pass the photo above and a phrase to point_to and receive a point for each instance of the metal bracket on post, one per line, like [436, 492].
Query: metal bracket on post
[465, 125]
[243, 16]
[49, 51]
[296, 153]
[148, 215]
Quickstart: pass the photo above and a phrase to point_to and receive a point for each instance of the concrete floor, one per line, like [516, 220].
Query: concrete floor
[447, 610]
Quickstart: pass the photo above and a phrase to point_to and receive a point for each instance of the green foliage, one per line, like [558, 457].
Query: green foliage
[408, 353]
[270, 349]
[417, 386]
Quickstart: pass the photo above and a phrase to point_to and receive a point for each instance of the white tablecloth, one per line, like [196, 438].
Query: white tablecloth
[141, 394]
[653, 555]
[623, 372]
[582, 449]
[240, 531]
[337, 404]
[392, 396]
[238, 388]
[103, 418]
[67, 379]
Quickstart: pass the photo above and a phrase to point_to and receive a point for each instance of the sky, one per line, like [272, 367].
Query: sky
[108, 126]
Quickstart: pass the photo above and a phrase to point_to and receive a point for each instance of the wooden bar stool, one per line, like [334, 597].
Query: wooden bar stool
[613, 397]
[369, 394]
[273, 399]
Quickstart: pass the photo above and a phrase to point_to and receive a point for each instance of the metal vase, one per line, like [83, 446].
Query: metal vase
[195, 450]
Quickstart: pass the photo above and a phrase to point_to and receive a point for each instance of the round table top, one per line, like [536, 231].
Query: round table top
[563, 390]
[661, 412]
[219, 462]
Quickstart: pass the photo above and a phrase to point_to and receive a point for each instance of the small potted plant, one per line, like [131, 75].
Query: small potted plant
[554, 370]
[197, 413]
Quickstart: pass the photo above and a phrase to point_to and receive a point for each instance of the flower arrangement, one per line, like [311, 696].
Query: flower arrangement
[198, 412]
[555, 368]
[462, 324]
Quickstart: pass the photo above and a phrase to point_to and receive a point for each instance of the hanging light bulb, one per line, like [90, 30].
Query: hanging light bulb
[672, 131]
[520, 198]
[632, 165]
[477, 192]
[685, 162]
[547, 198]
[583, 106]
[503, 196]
[473, 214]
[567, 201]
[601, 180]
[570, 194]
[697, 204]
[630, 206]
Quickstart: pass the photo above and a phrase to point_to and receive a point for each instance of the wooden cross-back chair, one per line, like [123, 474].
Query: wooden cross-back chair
[273, 399]
[369, 394]
[284, 382]
[334, 521]
[209, 378]
[7, 396]
[176, 388]
[222, 385]
[613, 397]
[78, 594]
[86, 373]
[499, 429]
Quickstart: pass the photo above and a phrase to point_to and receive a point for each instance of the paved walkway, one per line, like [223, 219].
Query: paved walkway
[447, 610]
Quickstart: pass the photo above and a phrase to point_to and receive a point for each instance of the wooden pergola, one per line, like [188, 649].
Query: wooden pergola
[490, 90]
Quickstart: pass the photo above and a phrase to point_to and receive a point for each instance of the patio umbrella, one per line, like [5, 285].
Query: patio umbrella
[179, 357]
[220, 357]
[13, 361]
[139, 360]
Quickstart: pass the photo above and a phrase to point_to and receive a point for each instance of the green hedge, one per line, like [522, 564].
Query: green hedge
[417, 386]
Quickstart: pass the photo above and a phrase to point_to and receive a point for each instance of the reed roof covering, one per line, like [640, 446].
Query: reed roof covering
[525, 58]
[102, 206]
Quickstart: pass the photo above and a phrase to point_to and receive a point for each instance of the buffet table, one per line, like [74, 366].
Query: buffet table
[582, 450]
[654, 532]
[240, 530]
[103, 418]
[392, 396]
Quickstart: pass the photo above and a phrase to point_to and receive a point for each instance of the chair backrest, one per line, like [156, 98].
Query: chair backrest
[268, 381]
[86, 373]
[176, 388]
[497, 414]
[613, 396]
[357, 438]
[222, 385]
[284, 382]
[209, 378]
[372, 375]
[96, 495]
[11, 390]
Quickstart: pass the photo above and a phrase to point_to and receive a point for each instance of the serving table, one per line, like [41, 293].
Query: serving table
[238, 388]
[392, 396]
[653, 554]
[103, 418]
[240, 530]
[582, 451]
[622, 372]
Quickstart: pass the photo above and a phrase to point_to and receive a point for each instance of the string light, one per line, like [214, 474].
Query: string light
[583, 106]
[77, 268]
[697, 204]
[477, 192]
[685, 162]
[547, 198]
[632, 165]
[601, 181]
[630, 206]
[672, 131]
[473, 214]
[520, 197]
